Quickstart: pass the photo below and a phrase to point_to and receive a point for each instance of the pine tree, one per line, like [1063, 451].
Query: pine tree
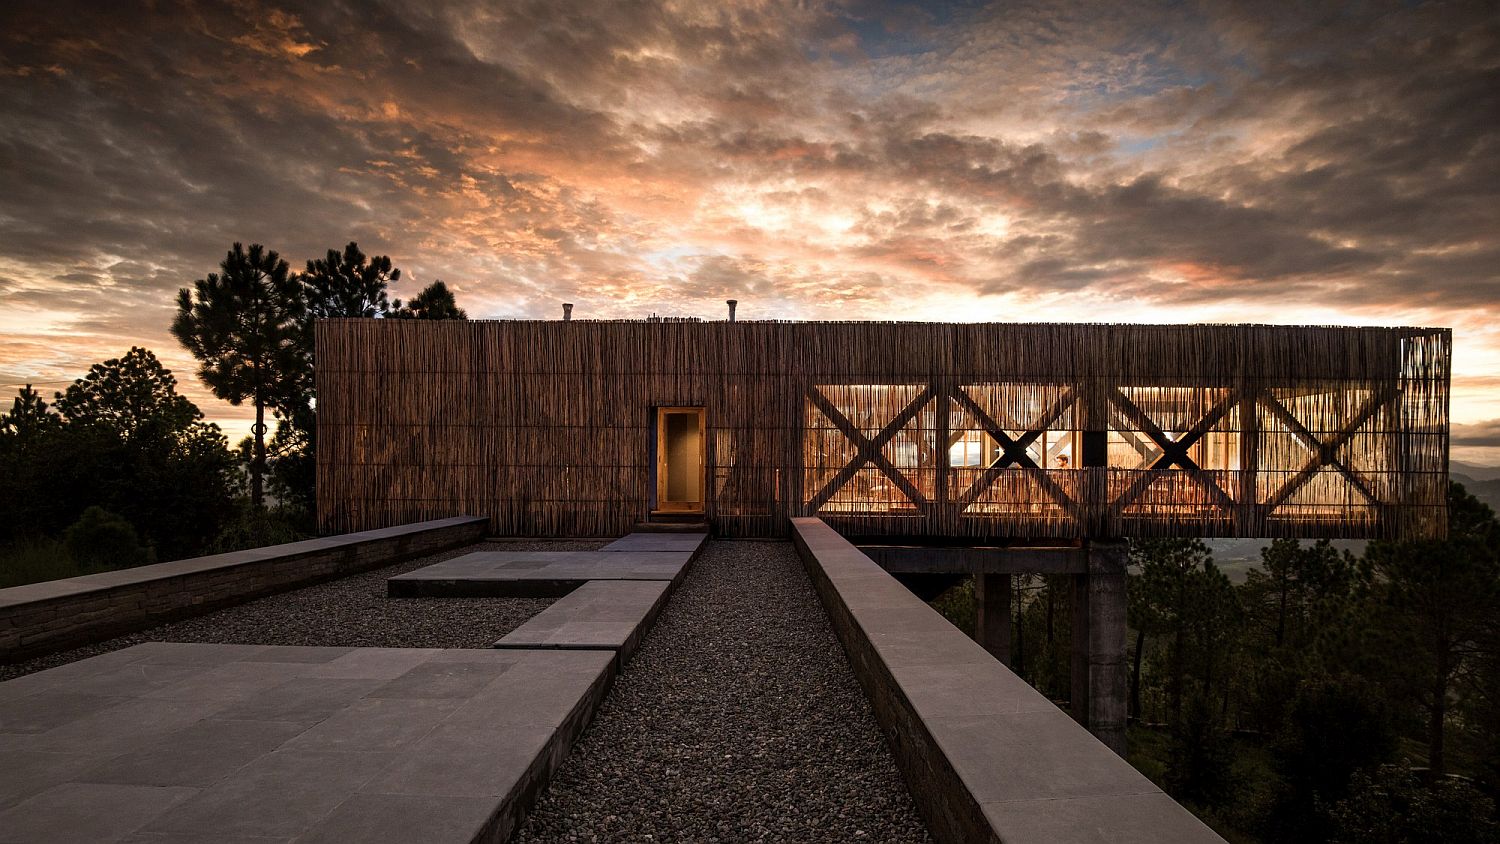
[244, 324]
[132, 396]
[434, 302]
[341, 285]
[347, 284]
[1433, 601]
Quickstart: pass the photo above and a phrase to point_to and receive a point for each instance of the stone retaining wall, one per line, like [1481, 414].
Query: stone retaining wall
[987, 757]
[43, 617]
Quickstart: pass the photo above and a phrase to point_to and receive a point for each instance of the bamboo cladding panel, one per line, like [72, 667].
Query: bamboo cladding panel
[983, 431]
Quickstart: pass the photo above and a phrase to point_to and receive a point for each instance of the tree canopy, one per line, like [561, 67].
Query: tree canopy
[347, 284]
[132, 396]
[244, 324]
[434, 302]
[120, 438]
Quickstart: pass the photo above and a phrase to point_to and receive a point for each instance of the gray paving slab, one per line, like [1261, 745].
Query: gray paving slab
[196, 838]
[689, 542]
[459, 761]
[535, 573]
[459, 680]
[50, 708]
[601, 614]
[24, 773]
[136, 723]
[402, 819]
[375, 725]
[198, 755]
[284, 793]
[303, 700]
[257, 744]
[87, 812]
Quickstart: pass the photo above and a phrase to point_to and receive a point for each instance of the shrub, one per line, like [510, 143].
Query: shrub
[252, 528]
[1393, 804]
[102, 540]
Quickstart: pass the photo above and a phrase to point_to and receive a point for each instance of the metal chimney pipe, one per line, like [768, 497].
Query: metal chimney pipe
[731, 303]
[567, 312]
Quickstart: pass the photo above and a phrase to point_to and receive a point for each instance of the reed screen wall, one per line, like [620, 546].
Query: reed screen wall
[983, 431]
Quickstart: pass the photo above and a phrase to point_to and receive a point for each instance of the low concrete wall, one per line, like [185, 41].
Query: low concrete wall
[43, 617]
[987, 757]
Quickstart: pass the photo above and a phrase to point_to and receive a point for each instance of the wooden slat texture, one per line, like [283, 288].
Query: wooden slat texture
[1212, 430]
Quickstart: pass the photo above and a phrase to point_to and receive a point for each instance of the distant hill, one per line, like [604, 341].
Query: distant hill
[1474, 471]
[1235, 557]
[1487, 491]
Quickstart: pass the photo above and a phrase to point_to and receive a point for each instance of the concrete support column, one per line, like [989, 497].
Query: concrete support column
[1100, 680]
[992, 614]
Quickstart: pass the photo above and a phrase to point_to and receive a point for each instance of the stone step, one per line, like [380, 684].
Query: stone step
[674, 526]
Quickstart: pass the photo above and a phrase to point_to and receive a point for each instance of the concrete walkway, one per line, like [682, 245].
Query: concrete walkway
[655, 557]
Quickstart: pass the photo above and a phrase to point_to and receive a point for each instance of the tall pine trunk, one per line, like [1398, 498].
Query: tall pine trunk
[1135, 675]
[1018, 655]
[1436, 764]
[258, 460]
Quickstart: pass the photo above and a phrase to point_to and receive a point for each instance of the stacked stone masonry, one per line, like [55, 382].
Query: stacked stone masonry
[42, 617]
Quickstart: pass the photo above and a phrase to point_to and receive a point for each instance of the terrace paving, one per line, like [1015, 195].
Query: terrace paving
[738, 718]
[178, 741]
[601, 614]
[536, 573]
[689, 542]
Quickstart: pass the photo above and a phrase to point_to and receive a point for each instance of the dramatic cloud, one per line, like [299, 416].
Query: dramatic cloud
[1047, 160]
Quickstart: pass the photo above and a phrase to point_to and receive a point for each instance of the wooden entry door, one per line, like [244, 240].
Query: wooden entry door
[680, 459]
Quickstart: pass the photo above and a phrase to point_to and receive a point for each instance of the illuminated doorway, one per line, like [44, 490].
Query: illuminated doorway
[680, 450]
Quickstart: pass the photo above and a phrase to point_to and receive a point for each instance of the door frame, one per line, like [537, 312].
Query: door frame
[662, 504]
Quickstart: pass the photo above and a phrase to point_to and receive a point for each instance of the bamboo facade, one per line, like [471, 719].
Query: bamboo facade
[971, 431]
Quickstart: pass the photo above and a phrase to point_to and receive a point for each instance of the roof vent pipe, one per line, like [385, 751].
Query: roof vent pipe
[567, 312]
[731, 303]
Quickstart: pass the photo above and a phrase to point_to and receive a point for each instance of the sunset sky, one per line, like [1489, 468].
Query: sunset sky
[1011, 162]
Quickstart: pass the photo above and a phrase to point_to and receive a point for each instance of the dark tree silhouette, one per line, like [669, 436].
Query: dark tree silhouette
[1434, 601]
[1295, 591]
[347, 284]
[245, 323]
[29, 418]
[123, 440]
[132, 396]
[434, 302]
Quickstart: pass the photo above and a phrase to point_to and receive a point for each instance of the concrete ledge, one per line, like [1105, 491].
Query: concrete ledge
[987, 757]
[42, 617]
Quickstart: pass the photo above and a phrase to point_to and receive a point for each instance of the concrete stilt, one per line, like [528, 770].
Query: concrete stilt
[992, 614]
[1099, 669]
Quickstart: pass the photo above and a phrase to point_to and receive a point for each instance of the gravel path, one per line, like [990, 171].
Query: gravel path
[352, 611]
[738, 719]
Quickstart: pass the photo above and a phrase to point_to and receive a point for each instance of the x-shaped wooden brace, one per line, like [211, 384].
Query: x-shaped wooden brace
[868, 449]
[1013, 451]
[1173, 452]
[1324, 452]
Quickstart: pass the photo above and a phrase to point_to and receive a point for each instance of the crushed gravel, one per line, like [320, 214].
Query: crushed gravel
[738, 719]
[352, 611]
